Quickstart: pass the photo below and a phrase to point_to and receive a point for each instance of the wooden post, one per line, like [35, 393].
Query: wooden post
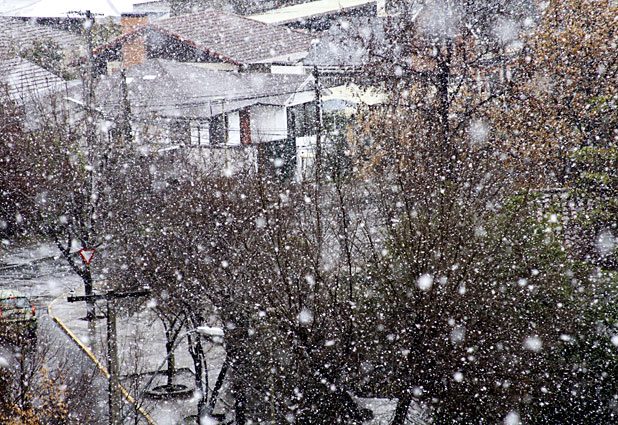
[319, 125]
[112, 363]
[112, 346]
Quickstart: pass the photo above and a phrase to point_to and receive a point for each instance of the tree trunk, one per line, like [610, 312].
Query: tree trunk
[240, 406]
[171, 360]
[172, 326]
[217, 387]
[201, 374]
[401, 412]
[84, 273]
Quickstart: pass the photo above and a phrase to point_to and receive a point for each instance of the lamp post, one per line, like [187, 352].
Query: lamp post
[214, 333]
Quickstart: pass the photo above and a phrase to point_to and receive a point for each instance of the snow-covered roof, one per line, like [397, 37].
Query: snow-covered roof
[309, 10]
[26, 80]
[16, 34]
[230, 37]
[56, 8]
[347, 43]
[157, 7]
[353, 42]
[178, 90]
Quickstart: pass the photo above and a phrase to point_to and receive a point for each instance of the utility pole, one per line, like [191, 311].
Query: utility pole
[112, 345]
[125, 119]
[90, 142]
[112, 363]
[318, 158]
[225, 135]
[87, 235]
[319, 125]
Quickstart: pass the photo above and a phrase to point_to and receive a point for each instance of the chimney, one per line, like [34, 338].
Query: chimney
[133, 48]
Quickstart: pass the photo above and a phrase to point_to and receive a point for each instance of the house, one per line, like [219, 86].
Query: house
[218, 39]
[154, 8]
[317, 16]
[344, 52]
[344, 49]
[194, 67]
[60, 9]
[241, 120]
[18, 35]
[30, 87]
[25, 80]
[181, 7]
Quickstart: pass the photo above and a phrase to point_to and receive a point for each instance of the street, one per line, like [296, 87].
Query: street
[38, 272]
[42, 275]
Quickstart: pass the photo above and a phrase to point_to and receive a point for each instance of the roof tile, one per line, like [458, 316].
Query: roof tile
[232, 37]
[16, 34]
[26, 80]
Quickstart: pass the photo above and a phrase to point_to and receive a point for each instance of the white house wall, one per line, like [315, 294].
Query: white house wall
[300, 97]
[287, 69]
[233, 128]
[268, 123]
[305, 156]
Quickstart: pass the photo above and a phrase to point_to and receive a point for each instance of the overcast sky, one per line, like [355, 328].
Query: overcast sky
[43, 8]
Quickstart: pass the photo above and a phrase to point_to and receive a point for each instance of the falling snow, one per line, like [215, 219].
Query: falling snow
[391, 214]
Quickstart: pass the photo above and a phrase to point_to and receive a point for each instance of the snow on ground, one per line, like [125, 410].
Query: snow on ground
[27, 255]
[384, 409]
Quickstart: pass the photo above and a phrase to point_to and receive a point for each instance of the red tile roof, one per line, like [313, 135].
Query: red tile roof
[230, 37]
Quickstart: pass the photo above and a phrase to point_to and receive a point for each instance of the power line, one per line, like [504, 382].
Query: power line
[111, 5]
[241, 96]
[10, 12]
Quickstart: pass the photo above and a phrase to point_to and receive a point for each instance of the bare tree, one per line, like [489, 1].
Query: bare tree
[44, 384]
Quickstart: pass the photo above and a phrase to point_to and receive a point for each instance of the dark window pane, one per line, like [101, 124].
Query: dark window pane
[217, 130]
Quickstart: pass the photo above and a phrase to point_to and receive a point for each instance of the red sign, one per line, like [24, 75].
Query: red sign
[87, 255]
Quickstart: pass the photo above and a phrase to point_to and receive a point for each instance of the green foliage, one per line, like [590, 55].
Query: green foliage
[48, 54]
[593, 185]
[460, 340]
[103, 31]
[585, 366]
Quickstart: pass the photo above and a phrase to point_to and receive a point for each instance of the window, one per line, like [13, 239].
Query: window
[218, 125]
[303, 119]
[180, 132]
[199, 133]
[14, 303]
